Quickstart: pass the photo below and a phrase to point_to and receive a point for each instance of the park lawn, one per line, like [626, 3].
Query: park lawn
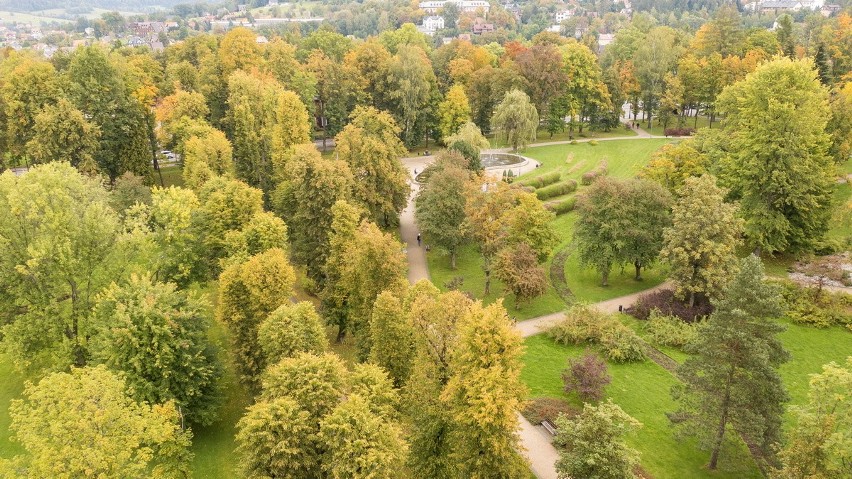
[172, 176]
[643, 391]
[11, 387]
[810, 348]
[624, 157]
[543, 136]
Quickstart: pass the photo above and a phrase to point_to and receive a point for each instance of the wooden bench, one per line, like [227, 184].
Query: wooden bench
[549, 427]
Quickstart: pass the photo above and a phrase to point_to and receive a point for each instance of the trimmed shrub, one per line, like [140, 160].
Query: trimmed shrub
[666, 304]
[601, 170]
[573, 142]
[541, 409]
[669, 330]
[679, 131]
[543, 180]
[586, 376]
[558, 189]
[593, 142]
[620, 343]
[562, 207]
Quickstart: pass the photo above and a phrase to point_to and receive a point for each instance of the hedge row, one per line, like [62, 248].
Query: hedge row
[601, 170]
[679, 131]
[543, 180]
[558, 189]
[562, 207]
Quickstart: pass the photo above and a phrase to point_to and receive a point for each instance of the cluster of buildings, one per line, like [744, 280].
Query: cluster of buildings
[433, 22]
[776, 7]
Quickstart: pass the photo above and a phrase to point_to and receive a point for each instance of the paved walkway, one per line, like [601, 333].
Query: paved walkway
[538, 449]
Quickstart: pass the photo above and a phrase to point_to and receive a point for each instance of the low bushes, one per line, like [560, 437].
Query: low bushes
[665, 302]
[585, 324]
[558, 189]
[816, 307]
[679, 131]
[543, 180]
[601, 170]
[562, 207]
[593, 142]
[541, 409]
[669, 330]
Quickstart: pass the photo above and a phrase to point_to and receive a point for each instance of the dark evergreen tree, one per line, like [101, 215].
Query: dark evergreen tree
[731, 380]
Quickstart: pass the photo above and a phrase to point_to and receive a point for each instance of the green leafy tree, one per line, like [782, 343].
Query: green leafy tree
[316, 383]
[700, 246]
[655, 57]
[453, 112]
[206, 155]
[483, 393]
[672, 164]
[586, 91]
[176, 115]
[248, 293]
[517, 267]
[28, 87]
[731, 379]
[171, 223]
[290, 329]
[820, 445]
[264, 231]
[373, 262]
[392, 337]
[440, 209]
[239, 50]
[338, 92]
[361, 444]
[157, 336]
[305, 198]
[621, 222]
[784, 181]
[516, 119]
[60, 239]
[226, 205]
[83, 424]
[252, 105]
[61, 133]
[276, 438]
[345, 219]
[369, 144]
[412, 83]
[592, 444]
[434, 317]
[96, 88]
[292, 126]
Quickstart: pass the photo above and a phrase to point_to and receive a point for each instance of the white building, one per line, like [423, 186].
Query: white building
[434, 6]
[562, 16]
[432, 24]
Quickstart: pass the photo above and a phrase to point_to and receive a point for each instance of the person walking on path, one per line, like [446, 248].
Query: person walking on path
[418, 239]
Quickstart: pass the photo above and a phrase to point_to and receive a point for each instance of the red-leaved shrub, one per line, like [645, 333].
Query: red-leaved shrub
[665, 302]
[586, 376]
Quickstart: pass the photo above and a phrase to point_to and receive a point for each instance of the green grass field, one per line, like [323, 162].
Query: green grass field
[542, 136]
[642, 390]
[657, 128]
[11, 386]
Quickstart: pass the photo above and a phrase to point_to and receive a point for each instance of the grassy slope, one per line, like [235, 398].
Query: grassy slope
[642, 390]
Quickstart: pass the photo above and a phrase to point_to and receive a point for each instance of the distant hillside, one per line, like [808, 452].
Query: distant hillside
[121, 5]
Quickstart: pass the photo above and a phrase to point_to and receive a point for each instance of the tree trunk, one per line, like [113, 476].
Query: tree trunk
[723, 422]
[453, 259]
[487, 282]
[691, 299]
[638, 266]
[605, 278]
[341, 332]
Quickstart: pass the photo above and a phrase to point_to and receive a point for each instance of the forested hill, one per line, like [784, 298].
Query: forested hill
[123, 5]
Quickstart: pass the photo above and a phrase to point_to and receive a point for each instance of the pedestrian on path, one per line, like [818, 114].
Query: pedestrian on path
[418, 239]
